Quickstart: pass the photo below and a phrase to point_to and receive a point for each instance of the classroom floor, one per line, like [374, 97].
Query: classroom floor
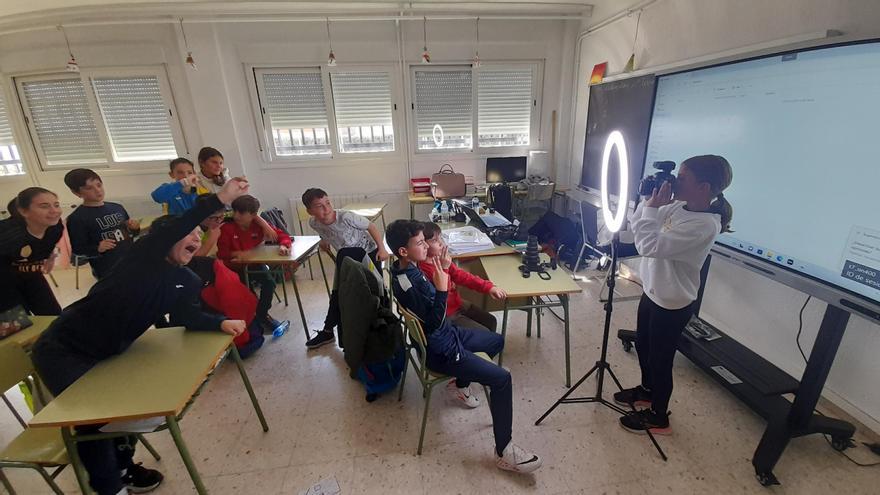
[321, 426]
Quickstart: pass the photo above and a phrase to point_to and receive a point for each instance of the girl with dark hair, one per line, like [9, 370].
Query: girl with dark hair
[674, 236]
[212, 172]
[28, 252]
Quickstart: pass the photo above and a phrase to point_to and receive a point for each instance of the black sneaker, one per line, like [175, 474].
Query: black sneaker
[320, 338]
[139, 479]
[644, 420]
[635, 397]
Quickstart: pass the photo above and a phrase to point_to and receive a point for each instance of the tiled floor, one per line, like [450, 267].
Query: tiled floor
[321, 426]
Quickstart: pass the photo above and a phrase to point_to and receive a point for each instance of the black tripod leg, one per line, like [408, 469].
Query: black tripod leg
[567, 393]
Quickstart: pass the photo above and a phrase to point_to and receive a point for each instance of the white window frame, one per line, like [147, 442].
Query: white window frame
[336, 157]
[10, 110]
[476, 150]
[86, 76]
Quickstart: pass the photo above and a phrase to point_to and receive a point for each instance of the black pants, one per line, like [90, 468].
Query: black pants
[470, 316]
[104, 460]
[260, 274]
[334, 317]
[657, 333]
[32, 291]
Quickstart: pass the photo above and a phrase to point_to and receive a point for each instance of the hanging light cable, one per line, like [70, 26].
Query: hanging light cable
[189, 60]
[476, 62]
[631, 63]
[426, 57]
[72, 66]
[331, 59]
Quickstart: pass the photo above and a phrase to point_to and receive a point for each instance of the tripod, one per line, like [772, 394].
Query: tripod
[601, 367]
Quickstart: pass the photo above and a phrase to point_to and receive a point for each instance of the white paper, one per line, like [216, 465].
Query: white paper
[134, 426]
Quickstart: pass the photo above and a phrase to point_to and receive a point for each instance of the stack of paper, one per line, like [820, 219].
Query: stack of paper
[465, 240]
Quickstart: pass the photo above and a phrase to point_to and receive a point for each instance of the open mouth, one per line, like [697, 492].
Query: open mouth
[191, 249]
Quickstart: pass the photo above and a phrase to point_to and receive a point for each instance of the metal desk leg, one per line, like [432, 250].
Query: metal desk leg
[184, 454]
[323, 273]
[283, 283]
[82, 477]
[538, 314]
[412, 211]
[503, 332]
[247, 385]
[564, 299]
[299, 304]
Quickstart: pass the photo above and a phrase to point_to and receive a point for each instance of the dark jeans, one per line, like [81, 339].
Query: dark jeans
[32, 291]
[103, 459]
[470, 316]
[334, 317]
[657, 334]
[260, 274]
[471, 368]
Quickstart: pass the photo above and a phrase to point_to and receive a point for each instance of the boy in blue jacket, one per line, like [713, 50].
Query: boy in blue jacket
[180, 195]
[450, 349]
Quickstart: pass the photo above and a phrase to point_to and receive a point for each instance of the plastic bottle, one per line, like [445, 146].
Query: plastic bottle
[279, 331]
[444, 213]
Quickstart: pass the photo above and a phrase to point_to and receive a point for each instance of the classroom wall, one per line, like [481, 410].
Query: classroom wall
[215, 104]
[757, 311]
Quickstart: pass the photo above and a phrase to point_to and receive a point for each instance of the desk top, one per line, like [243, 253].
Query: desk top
[303, 245]
[503, 271]
[156, 376]
[369, 210]
[29, 335]
[493, 251]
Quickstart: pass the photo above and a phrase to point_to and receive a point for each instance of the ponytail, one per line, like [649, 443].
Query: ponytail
[723, 208]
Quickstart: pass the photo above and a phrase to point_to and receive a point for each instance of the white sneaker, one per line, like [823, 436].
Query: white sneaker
[518, 460]
[462, 395]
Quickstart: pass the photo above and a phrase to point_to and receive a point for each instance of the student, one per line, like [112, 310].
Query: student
[462, 312]
[212, 174]
[674, 236]
[244, 234]
[450, 348]
[180, 195]
[340, 229]
[151, 280]
[210, 229]
[28, 252]
[98, 229]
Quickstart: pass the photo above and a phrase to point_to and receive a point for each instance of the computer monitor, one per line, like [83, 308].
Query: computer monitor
[507, 169]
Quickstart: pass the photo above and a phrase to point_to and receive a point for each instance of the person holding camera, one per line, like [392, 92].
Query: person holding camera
[674, 229]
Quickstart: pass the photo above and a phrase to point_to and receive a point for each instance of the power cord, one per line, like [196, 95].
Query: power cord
[873, 447]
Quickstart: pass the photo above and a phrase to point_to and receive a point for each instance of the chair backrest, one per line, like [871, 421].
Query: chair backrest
[540, 192]
[302, 215]
[15, 366]
[588, 222]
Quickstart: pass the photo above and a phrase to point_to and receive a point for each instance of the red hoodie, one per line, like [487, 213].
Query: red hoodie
[460, 277]
[233, 238]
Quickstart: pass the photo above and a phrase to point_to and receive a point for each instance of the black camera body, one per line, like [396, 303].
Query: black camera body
[651, 182]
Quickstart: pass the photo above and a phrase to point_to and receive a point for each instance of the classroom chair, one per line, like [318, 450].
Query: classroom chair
[79, 260]
[415, 344]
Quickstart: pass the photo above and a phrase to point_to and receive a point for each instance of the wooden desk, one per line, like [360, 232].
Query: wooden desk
[371, 211]
[493, 251]
[503, 271]
[157, 376]
[26, 338]
[303, 247]
[427, 199]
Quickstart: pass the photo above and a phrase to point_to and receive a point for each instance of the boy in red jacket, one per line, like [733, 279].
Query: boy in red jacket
[244, 234]
[462, 312]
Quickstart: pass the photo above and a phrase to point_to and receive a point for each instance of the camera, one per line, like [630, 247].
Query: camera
[651, 182]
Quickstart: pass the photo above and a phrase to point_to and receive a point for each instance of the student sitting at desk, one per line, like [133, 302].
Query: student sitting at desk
[210, 229]
[450, 348]
[462, 312]
[242, 235]
[340, 229]
[28, 252]
[151, 280]
[99, 230]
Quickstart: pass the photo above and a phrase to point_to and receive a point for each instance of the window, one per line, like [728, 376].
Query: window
[101, 117]
[316, 112]
[505, 104]
[295, 110]
[362, 101]
[136, 118]
[10, 161]
[443, 108]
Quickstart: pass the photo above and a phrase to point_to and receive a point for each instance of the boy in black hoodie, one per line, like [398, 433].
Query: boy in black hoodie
[150, 281]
